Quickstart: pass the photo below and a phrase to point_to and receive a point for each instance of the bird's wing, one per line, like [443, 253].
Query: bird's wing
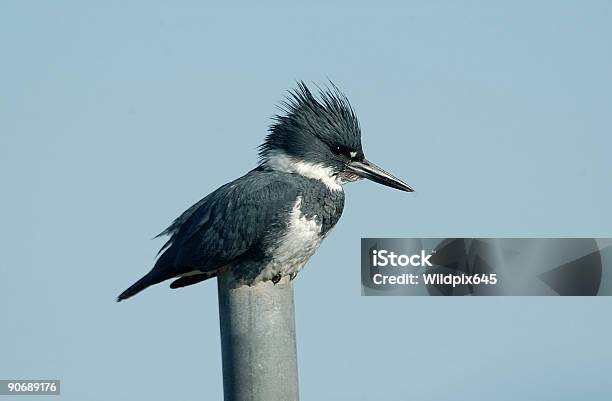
[229, 222]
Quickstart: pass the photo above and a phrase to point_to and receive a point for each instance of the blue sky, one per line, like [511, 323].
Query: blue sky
[117, 116]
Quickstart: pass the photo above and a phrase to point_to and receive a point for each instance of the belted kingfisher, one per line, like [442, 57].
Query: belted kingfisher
[269, 222]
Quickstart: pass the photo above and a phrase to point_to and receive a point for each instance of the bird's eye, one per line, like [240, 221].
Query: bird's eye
[340, 150]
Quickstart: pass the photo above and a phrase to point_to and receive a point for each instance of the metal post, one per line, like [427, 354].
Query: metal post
[258, 341]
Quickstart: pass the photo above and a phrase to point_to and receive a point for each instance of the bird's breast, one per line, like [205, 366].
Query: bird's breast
[296, 235]
[301, 238]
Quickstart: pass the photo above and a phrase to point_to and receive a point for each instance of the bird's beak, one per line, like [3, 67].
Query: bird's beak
[372, 172]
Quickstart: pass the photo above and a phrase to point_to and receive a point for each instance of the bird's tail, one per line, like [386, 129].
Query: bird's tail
[149, 279]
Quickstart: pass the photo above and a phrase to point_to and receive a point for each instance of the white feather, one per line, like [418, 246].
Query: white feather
[300, 241]
[282, 162]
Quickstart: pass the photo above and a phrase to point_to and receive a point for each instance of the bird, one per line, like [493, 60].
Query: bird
[266, 224]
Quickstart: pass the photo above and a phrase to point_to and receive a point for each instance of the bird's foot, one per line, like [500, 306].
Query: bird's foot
[277, 277]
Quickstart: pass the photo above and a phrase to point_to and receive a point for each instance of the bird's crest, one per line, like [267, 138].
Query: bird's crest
[328, 117]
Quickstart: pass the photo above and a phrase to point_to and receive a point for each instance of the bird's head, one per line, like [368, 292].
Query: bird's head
[321, 139]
